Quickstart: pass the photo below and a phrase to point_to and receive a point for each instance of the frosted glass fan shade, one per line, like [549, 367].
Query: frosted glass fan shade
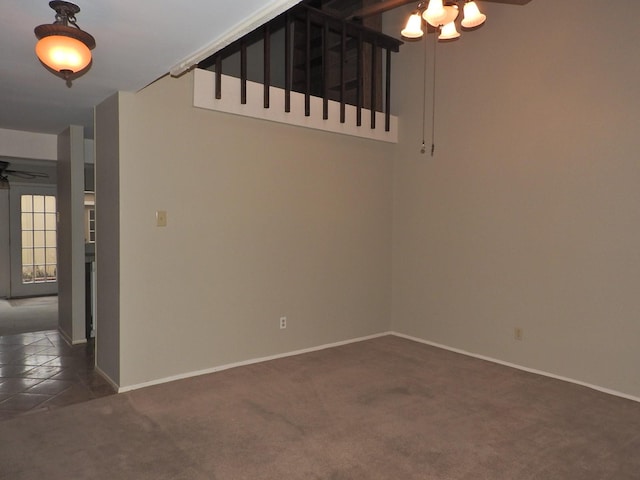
[435, 14]
[414, 27]
[472, 16]
[452, 13]
[449, 32]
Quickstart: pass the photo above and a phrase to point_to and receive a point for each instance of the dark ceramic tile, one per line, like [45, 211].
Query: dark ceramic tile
[71, 362]
[9, 414]
[35, 360]
[16, 385]
[42, 372]
[32, 349]
[99, 391]
[7, 355]
[50, 387]
[8, 349]
[92, 380]
[12, 371]
[24, 401]
[74, 394]
[56, 350]
[65, 374]
[15, 340]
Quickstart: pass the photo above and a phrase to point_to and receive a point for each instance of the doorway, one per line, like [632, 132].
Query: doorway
[33, 239]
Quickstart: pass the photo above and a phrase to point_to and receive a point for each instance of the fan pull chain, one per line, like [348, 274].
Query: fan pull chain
[433, 105]
[424, 98]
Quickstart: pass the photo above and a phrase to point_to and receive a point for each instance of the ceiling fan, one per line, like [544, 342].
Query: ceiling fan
[386, 5]
[5, 173]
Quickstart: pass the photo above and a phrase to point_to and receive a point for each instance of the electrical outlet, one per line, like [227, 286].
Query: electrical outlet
[517, 333]
[283, 322]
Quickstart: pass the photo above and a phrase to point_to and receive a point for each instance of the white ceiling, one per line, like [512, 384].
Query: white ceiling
[137, 42]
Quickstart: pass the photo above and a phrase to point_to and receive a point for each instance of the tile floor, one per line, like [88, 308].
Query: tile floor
[40, 371]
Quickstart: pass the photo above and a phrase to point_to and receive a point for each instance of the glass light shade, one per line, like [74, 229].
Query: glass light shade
[62, 53]
[472, 16]
[452, 13]
[449, 32]
[414, 27]
[435, 14]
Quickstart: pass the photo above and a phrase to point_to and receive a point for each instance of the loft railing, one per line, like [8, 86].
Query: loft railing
[319, 55]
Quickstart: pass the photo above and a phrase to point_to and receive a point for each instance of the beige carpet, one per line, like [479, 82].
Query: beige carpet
[28, 315]
[387, 408]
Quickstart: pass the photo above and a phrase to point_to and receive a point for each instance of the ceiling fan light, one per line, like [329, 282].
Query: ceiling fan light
[63, 54]
[435, 14]
[413, 28]
[452, 13]
[449, 32]
[472, 16]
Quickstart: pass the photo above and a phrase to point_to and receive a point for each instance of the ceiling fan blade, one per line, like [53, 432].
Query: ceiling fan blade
[5, 172]
[25, 175]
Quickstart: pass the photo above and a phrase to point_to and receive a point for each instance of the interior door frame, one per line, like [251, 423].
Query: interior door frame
[17, 288]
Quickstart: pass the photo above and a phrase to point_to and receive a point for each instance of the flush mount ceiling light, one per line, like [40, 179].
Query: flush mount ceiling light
[63, 46]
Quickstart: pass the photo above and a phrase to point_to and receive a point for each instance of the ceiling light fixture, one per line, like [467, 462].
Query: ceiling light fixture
[442, 15]
[63, 46]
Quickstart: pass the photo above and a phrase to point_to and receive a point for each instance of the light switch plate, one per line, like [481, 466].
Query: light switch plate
[161, 218]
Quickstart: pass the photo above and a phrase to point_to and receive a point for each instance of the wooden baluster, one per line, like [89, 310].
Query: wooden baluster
[387, 108]
[374, 66]
[287, 63]
[218, 77]
[343, 58]
[325, 70]
[359, 83]
[267, 64]
[307, 92]
[243, 72]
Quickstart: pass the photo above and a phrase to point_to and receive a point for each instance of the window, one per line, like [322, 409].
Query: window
[38, 228]
[92, 225]
[89, 217]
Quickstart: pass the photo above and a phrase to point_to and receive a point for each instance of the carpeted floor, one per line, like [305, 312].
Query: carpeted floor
[386, 408]
[28, 315]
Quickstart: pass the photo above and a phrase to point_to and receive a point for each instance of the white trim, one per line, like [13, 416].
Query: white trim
[107, 378]
[519, 367]
[67, 339]
[245, 362]
[252, 22]
[203, 97]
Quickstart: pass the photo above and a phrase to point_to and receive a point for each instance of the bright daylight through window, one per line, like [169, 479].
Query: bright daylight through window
[38, 224]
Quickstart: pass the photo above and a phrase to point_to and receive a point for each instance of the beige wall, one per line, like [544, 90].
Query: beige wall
[264, 220]
[528, 215]
[70, 231]
[5, 258]
[107, 176]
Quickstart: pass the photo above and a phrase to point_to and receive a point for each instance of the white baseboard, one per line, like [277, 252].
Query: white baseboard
[242, 363]
[519, 367]
[107, 378]
[67, 339]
